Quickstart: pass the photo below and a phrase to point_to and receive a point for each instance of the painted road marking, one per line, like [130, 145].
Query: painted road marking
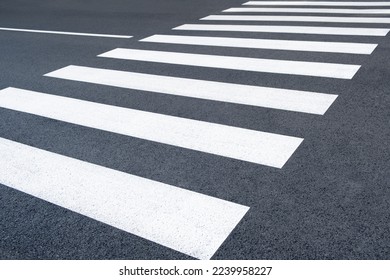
[317, 3]
[283, 99]
[307, 10]
[355, 31]
[183, 220]
[316, 69]
[65, 33]
[291, 45]
[232, 142]
[298, 18]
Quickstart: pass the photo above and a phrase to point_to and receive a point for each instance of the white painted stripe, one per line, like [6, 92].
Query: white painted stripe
[287, 29]
[317, 69]
[318, 3]
[238, 143]
[290, 45]
[307, 10]
[65, 33]
[186, 221]
[298, 18]
[283, 99]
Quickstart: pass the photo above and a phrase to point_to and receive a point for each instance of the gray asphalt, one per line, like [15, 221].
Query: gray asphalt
[330, 201]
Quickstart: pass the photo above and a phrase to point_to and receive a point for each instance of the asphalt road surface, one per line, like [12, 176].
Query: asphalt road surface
[255, 133]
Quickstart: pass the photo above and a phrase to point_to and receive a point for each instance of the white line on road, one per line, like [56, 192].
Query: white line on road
[298, 18]
[287, 29]
[317, 69]
[283, 99]
[291, 45]
[186, 221]
[307, 10]
[232, 142]
[65, 33]
[318, 3]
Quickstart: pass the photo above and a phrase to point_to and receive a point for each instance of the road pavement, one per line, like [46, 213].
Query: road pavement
[218, 130]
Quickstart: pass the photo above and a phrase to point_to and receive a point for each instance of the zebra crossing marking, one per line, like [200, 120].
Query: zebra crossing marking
[191, 223]
[276, 98]
[290, 45]
[321, 30]
[307, 10]
[315, 69]
[318, 3]
[298, 18]
[233, 142]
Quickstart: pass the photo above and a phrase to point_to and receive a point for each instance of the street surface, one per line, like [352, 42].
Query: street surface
[178, 129]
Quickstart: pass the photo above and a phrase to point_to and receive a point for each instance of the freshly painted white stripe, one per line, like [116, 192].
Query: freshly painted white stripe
[283, 99]
[317, 69]
[287, 29]
[307, 10]
[233, 142]
[298, 18]
[186, 221]
[318, 3]
[65, 33]
[291, 45]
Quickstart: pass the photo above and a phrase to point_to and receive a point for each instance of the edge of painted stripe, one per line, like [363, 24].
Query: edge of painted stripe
[284, 18]
[321, 30]
[308, 10]
[274, 66]
[318, 3]
[191, 223]
[248, 145]
[272, 44]
[275, 98]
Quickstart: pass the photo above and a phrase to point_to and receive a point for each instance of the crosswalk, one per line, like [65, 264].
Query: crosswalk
[288, 45]
[305, 10]
[282, 99]
[320, 30]
[298, 18]
[315, 69]
[189, 222]
[248, 145]
[320, 3]
[186, 221]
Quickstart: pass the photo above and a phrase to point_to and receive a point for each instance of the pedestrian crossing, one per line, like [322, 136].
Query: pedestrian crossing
[305, 10]
[288, 45]
[244, 144]
[319, 30]
[377, 20]
[189, 222]
[314, 69]
[275, 98]
[319, 3]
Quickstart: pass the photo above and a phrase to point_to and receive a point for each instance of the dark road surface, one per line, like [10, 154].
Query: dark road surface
[330, 200]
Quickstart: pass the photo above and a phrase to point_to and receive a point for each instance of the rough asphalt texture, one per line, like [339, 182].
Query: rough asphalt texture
[330, 201]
